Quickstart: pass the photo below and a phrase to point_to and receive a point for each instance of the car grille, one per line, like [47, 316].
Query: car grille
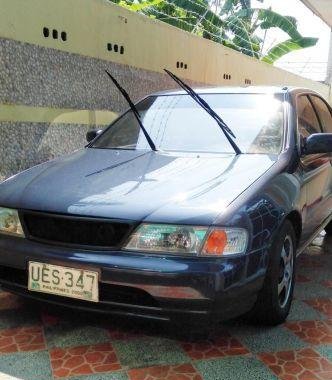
[78, 231]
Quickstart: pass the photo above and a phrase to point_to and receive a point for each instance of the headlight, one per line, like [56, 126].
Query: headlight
[10, 222]
[167, 238]
[188, 239]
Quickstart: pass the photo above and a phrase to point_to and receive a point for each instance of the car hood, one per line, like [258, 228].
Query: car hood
[136, 185]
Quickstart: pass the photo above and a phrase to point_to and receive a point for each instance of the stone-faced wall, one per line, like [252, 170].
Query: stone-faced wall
[39, 76]
[26, 144]
[44, 77]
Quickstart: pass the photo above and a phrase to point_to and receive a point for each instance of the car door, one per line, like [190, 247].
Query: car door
[324, 114]
[315, 170]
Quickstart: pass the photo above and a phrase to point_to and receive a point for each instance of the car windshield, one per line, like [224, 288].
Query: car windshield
[178, 123]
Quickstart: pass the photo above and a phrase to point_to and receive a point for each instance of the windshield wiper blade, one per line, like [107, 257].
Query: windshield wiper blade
[223, 126]
[134, 110]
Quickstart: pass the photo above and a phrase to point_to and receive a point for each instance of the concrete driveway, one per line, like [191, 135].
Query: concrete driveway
[38, 343]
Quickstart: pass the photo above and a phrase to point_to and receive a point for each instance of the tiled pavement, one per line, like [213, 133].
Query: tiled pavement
[37, 343]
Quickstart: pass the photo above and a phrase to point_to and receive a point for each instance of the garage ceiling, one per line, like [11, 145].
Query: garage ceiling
[322, 8]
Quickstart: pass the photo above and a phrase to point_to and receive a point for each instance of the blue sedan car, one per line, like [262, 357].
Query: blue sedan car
[191, 204]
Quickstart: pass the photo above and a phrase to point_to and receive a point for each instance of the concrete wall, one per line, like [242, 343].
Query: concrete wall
[52, 82]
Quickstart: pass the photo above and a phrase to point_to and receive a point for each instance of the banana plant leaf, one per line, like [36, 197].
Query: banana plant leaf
[228, 6]
[271, 19]
[242, 36]
[200, 8]
[136, 7]
[184, 23]
[230, 44]
[288, 46]
[266, 24]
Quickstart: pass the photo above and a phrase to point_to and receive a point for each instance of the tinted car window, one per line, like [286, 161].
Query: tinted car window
[123, 134]
[178, 123]
[324, 113]
[307, 119]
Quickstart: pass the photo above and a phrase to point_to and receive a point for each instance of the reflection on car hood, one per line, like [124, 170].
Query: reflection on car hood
[151, 186]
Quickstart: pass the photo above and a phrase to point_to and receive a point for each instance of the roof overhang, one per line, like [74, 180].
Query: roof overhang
[322, 8]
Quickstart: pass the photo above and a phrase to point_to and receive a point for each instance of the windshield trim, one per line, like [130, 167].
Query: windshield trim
[185, 151]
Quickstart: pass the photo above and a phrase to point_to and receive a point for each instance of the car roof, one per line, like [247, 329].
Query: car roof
[236, 90]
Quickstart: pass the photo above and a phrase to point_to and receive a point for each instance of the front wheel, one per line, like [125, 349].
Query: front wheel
[275, 298]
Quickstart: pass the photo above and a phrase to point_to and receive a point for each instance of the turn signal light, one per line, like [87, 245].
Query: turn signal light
[225, 241]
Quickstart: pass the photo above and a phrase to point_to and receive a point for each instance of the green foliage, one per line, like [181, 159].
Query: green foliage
[287, 46]
[270, 19]
[234, 23]
[136, 7]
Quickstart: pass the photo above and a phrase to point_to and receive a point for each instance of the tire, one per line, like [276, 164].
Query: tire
[275, 298]
[328, 229]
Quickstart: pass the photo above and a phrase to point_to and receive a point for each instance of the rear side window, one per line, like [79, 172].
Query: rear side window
[324, 113]
[308, 123]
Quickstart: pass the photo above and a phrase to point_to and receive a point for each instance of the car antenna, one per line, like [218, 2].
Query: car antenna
[134, 110]
[223, 126]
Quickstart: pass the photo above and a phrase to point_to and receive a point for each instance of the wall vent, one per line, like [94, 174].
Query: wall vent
[181, 65]
[46, 32]
[247, 81]
[116, 48]
[227, 76]
[54, 34]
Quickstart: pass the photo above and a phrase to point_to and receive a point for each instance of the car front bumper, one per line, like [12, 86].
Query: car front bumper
[140, 285]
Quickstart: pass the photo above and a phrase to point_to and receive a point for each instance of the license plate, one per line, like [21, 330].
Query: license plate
[63, 281]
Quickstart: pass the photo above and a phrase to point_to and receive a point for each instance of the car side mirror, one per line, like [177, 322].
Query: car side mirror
[318, 143]
[92, 134]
